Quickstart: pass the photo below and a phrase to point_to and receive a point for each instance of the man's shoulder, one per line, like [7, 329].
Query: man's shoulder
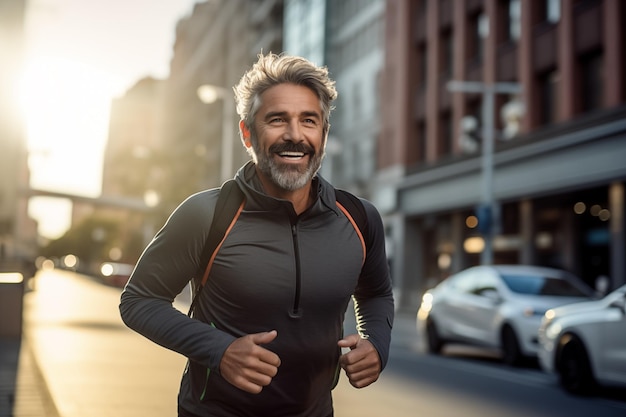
[363, 205]
[201, 203]
[208, 196]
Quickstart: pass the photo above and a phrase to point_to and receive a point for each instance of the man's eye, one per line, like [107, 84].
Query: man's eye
[311, 121]
[276, 120]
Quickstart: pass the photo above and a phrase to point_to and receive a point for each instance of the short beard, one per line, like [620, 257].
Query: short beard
[287, 177]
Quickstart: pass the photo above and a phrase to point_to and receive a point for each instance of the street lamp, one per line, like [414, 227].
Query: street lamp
[208, 94]
[487, 208]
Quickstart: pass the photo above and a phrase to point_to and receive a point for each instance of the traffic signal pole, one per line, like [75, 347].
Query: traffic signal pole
[488, 207]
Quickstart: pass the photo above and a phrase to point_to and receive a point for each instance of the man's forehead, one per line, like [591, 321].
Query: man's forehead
[289, 97]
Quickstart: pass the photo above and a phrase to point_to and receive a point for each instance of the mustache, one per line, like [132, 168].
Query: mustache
[291, 147]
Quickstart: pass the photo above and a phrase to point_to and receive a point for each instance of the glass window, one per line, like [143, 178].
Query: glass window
[592, 81]
[542, 285]
[365, 166]
[446, 136]
[421, 141]
[548, 96]
[447, 54]
[515, 17]
[485, 282]
[479, 30]
[553, 10]
[421, 64]
[548, 11]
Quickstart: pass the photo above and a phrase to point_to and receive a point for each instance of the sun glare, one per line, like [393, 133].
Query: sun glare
[59, 98]
[65, 107]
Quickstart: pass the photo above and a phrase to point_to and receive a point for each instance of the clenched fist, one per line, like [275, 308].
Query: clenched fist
[362, 363]
[248, 365]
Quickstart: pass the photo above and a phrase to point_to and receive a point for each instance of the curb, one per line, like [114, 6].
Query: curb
[32, 396]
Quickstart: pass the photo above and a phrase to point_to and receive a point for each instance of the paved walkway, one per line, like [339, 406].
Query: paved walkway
[22, 386]
[76, 359]
[23, 390]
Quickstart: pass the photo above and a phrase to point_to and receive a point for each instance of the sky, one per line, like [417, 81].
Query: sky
[80, 54]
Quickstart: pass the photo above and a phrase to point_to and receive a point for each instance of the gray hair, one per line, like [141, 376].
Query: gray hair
[271, 70]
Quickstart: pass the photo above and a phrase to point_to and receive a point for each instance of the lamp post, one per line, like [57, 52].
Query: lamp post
[487, 207]
[208, 93]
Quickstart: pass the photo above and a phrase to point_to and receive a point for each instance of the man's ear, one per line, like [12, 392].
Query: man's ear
[245, 134]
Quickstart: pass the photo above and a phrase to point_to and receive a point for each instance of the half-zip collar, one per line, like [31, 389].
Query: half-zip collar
[257, 200]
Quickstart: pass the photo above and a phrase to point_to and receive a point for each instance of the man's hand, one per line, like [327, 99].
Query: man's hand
[362, 363]
[249, 366]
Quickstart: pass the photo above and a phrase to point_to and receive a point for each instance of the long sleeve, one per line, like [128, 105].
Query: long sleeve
[374, 304]
[164, 269]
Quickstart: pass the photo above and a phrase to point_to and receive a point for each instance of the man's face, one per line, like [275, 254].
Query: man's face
[287, 139]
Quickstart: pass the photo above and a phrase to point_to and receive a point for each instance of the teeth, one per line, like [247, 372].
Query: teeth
[292, 154]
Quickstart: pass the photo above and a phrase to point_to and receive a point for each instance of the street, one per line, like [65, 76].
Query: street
[95, 366]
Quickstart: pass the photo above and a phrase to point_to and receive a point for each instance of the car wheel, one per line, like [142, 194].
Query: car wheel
[511, 353]
[433, 340]
[574, 368]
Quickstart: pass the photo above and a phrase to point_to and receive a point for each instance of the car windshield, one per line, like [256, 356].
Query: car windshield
[541, 285]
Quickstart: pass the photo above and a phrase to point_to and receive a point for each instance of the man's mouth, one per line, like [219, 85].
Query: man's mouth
[291, 154]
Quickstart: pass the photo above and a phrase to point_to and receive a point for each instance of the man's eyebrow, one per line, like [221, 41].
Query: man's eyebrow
[273, 114]
[282, 114]
[311, 113]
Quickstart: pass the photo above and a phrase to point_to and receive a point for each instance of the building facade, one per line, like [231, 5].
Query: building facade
[132, 169]
[130, 147]
[18, 232]
[213, 48]
[348, 38]
[304, 27]
[355, 58]
[553, 176]
[167, 140]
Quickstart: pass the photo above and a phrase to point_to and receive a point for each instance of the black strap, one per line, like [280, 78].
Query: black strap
[228, 203]
[355, 207]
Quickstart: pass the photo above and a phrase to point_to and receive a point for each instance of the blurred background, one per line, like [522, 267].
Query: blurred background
[485, 131]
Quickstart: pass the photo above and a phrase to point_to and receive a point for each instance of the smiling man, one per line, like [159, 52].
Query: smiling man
[266, 335]
[288, 141]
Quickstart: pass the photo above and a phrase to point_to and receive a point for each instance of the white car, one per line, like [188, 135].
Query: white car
[498, 306]
[585, 343]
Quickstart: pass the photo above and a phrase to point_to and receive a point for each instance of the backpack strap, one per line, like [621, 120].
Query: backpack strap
[354, 210]
[227, 210]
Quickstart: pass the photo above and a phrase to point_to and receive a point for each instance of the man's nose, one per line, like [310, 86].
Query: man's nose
[293, 131]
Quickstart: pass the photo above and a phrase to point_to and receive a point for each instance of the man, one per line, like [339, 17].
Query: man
[266, 337]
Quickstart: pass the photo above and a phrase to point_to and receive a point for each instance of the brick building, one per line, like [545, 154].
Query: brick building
[554, 179]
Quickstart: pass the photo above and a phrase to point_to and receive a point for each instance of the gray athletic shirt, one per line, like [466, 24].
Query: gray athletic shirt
[275, 271]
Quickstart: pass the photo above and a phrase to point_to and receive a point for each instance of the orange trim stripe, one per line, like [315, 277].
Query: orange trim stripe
[205, 277]
[356, 228]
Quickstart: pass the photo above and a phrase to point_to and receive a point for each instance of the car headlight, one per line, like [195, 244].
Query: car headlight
[547, 318]
[426, 306]
[552, 331]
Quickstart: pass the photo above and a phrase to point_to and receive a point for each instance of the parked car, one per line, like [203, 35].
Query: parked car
[585, 343]
[497, 306]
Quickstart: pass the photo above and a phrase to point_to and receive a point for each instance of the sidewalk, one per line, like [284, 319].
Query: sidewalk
[23, 392]
[22, 387]
[88, 365]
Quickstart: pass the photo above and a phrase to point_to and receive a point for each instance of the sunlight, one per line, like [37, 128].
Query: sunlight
[66, 111]
[53, 215]
[65, 106]
[60, 98]
[75, 62]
